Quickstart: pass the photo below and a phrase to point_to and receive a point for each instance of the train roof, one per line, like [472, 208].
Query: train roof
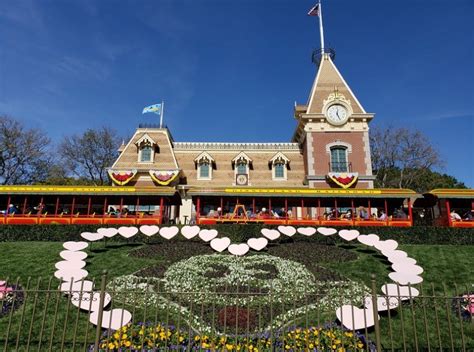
[452, 193]
[88, 190]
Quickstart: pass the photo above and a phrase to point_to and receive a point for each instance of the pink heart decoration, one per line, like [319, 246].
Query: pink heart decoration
[287, 230]
[73, 256]
[127, 231]
[78, 286]
[405, 278]
[107, 231]
[190, 231]
[402, 292]
[238, 249]
[70, 264]
[75, 246]
[383, 303]
[220, 244]
[71, 275]
[257, 243]
[270, 234]
[354, 318]
[89, 301]
[306, 231]
[114, 319]
[326, 231]
[149, 230]
[207, 235]
[92, 236]
[368, 240]
[349, 235]
[169, 232]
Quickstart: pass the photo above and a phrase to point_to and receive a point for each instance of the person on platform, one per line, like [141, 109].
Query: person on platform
[12, 209]
[362, 213]
[382, 216]
[455, 216]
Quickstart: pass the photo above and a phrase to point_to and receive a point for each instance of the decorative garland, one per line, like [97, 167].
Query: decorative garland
[164, 178]
[344, 180]
[121, 178]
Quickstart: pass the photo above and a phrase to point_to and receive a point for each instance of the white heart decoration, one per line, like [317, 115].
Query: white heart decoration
[402, 292]
[383, 303]
[306, 231]
[207, 235]
[70, 264]
[388, 245]
[169, 232]
[238, 249]
[326, 231]
[89, 301]
[405, 278]
[73, 256]
[114, 319]
[257, 243]
[270, 234]
[75, 246]
[92, 236]
[368, 240]
[220, 244]
[349, 235]
[108, 231]
[354, 318]
[190, 231]
[79, 286]
[287, 230]
[404, 267]
[127, 231]
[149, 230]
[71, 275]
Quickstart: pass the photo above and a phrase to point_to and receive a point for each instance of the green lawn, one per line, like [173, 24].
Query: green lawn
[447, 268]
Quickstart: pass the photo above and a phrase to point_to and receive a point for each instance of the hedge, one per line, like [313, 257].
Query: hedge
[241, 232]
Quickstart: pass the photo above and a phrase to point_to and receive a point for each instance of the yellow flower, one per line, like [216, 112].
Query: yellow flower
[128, 343]
[229, 347]
[111, 346]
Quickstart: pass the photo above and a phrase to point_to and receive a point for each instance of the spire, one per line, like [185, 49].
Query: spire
[329, 80]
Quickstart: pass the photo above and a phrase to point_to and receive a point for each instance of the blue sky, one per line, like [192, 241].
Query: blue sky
[231, 70]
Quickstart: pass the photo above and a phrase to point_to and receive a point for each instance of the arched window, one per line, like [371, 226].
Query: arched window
[339, 159]
[146, 153]
[204, 163]
[204, 168]
[242, 167]
[279, 169]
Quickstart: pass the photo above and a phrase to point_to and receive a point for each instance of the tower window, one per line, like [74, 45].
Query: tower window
[339, 160]
[146, 154]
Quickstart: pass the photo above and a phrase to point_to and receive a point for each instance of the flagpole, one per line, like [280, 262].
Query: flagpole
[161, 114]
[321, 32]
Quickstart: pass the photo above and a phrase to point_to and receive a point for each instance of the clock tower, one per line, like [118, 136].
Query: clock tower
[333, 131]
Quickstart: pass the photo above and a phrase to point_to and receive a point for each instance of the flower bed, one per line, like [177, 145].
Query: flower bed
[158, 337]
[11, 297]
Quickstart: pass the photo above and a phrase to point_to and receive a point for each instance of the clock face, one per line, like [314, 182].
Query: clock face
[241, 179]
[337, 114]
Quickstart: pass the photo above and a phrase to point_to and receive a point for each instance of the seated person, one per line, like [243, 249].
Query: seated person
[347, 215]
[12, 209]
[398, 213]
[382, 216]
[455, 216]
[468, 215]
[362, 213]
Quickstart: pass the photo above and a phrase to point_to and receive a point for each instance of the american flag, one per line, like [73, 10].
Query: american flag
[314, 11]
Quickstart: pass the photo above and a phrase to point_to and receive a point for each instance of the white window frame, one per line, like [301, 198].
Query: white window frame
[279, 158]
[201, 159]
[241, 158]
[146, 140]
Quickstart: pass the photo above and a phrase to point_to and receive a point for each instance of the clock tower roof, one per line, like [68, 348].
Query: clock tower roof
[329, 80]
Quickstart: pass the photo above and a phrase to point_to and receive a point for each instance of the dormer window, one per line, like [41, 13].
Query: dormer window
[145, 154]
[279, 165]
[242, 164]
[146, 149]
[204, 163]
